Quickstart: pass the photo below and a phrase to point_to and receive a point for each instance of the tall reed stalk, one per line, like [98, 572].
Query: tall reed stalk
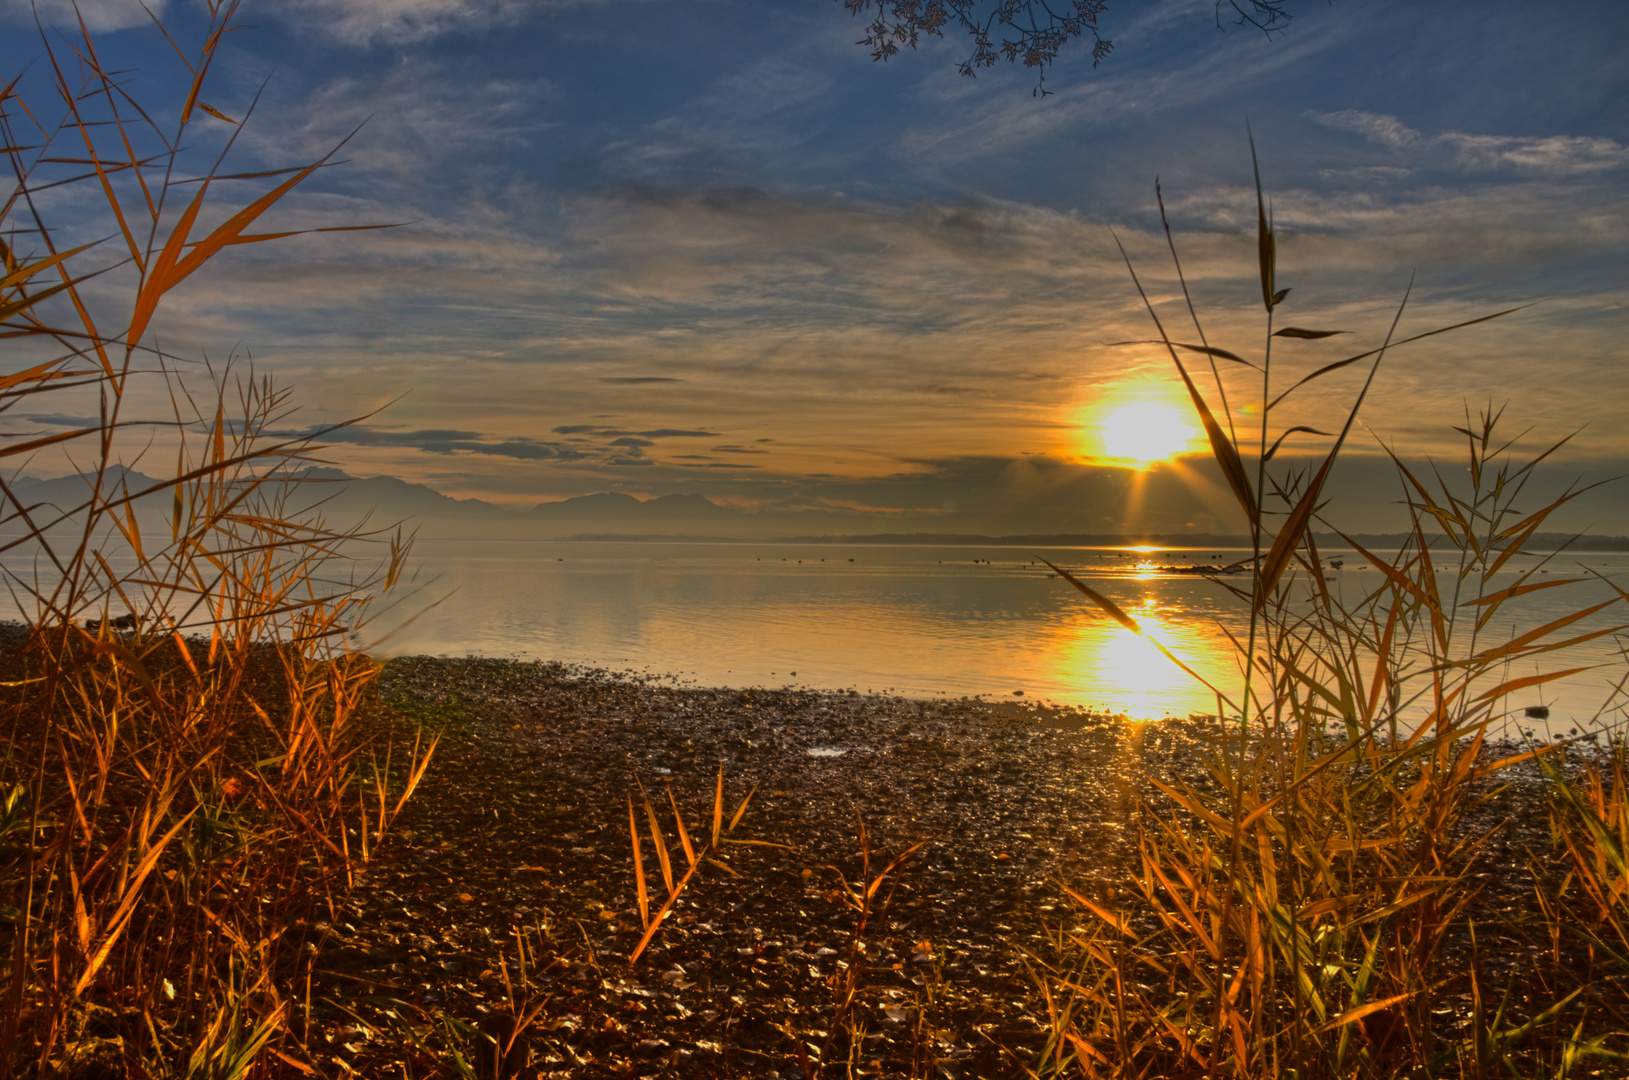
[1315, 913]
[182, 778]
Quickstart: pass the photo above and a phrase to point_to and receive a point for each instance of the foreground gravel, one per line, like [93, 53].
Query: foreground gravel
[520, 834]
[506, 891]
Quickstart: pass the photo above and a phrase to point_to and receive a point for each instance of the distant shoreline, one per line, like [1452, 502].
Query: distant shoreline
[1538, 544]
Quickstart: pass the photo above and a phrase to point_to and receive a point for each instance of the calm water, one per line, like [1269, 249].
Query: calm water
[920, 621]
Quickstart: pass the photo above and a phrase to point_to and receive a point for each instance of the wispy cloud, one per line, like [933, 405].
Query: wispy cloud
[444, 441]
[1385, 130]
[366, 22]
[99, 15]
[858, 332]
[658, 433]
[416, 123]
[1138, 85]
[1554, 155]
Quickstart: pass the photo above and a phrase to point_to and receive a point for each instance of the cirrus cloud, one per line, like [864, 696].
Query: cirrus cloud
[1555, 155]
[370, 22]
[99, 15]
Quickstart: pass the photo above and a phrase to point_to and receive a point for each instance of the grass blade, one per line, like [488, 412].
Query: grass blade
[718, 807]
[1222, 448]
[640, 888]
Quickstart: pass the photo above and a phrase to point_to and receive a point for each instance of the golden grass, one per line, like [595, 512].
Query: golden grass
[186, 777]
[710, 852]
[1313, 913]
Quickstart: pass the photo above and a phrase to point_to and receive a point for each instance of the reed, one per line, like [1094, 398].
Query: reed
[187, 773]
[1316, 912]
[711, 852]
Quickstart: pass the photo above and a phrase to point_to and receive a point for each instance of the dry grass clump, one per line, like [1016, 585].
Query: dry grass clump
[711, 852]
[185, 775]
[1320, 911]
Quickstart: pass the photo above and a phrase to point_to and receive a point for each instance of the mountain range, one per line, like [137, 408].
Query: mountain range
[382, 502]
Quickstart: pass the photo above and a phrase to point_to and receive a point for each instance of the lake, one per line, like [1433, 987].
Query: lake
[921, 621]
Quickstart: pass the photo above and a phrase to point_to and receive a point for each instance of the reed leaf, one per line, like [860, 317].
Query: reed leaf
[641, 893]
[1350, 360]
[1207, 350]
[660, 844]
[1266, 245]
[1307, 335]
[1222, 448]
[684, 835]
[1298, 429]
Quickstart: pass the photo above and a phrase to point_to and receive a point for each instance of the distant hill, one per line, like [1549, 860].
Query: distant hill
[339, 499]
[379, 502]
[1544, 541]
[385, 500]
[611, 512]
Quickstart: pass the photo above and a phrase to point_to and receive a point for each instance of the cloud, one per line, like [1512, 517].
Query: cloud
[419, 128]
[1385, 130]
[620, 448]
[371, 22]
[1553, 155]
[99, 15]
[444, 441]
[677, 433]
[863, 332]
[638, 380]
[657, 433]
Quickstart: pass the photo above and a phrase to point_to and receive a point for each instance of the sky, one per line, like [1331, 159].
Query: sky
[656, 247]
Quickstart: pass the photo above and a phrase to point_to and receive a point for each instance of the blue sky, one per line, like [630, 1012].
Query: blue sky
[664, 247]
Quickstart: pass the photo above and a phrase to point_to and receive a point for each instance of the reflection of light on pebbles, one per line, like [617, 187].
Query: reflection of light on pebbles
[825, 751]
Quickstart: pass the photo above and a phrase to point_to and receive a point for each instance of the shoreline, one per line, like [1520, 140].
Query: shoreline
[507, 883]
[519, 832]
[531, 795]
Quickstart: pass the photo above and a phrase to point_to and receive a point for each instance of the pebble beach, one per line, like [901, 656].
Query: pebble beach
[514, 859]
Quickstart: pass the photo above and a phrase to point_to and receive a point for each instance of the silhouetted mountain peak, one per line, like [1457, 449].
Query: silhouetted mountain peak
[613, 501]
[688, 502]
[322, 472]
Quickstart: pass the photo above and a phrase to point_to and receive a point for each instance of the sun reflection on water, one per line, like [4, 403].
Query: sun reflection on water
[1134, 677]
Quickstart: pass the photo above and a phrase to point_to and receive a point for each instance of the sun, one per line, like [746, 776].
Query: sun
[1145, 433]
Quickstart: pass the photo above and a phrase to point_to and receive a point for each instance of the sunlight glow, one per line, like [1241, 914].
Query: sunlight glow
[1146, 432]
[1136, 678]
[1145, 676]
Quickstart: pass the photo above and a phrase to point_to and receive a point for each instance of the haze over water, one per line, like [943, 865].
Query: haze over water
[920, 621]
